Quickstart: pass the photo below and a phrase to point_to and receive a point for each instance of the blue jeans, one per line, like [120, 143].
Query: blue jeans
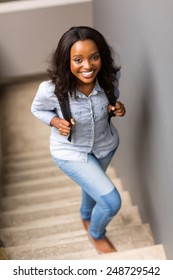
[100, 199]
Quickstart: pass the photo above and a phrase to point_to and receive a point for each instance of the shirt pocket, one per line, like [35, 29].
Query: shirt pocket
[78, 115]
[79, 112]
[101, 112]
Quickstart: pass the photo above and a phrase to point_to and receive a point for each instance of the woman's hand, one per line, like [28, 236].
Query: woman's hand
[118, 110]
[62, 125]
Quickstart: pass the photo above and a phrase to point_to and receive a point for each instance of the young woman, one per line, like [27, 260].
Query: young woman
[83, 75]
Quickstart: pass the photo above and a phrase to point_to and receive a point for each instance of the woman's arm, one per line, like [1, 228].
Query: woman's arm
[42, 106]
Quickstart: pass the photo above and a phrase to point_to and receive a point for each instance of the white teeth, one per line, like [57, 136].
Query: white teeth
[87, 74]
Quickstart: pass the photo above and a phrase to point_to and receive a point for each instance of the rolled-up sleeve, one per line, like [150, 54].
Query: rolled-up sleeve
[43, 106]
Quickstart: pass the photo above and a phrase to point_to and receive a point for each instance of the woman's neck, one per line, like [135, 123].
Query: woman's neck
[86, 89]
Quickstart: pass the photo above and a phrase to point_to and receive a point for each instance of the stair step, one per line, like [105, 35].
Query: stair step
[16, 219]
[86, 254]
[64, 224]
[155, 252]
[56, 208]
[127, 237]
[22, 165]
[112, 232]
[30, 174]
[26, 156]
[44, 195]
[41, 184]
[37, 185]
[37, 251]
[39, 172]
[31, 161]
[16, 201]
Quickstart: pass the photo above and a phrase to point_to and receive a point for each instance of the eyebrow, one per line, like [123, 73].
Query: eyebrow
[79, 55]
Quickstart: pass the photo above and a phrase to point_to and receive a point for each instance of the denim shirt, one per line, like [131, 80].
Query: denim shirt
[91, 133]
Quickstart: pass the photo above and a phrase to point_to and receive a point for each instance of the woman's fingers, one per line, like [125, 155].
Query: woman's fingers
[65, 126]
[119, 109]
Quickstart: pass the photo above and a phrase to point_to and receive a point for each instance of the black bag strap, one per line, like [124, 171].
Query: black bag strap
[112, 101]
[65, 109]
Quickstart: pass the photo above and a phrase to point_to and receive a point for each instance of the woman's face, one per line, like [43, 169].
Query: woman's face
[85, 62]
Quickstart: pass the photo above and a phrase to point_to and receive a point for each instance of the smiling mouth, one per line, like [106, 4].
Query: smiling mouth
[87, 74]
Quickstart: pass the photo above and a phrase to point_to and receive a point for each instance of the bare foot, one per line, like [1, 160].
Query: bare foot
[103, 245]
[86, 224]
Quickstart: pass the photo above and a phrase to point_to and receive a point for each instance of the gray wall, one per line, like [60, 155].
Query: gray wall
[141, 32]
[30, 31]
[0, 159]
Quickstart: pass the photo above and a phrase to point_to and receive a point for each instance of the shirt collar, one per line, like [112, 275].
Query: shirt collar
[95, 90]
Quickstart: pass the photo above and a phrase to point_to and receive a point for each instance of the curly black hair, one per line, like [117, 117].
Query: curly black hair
[60, 72]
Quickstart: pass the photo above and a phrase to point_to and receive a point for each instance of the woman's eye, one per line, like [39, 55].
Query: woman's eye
[78, 60]
[95, 57]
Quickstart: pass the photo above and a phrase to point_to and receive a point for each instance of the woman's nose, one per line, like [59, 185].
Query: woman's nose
[87, 64]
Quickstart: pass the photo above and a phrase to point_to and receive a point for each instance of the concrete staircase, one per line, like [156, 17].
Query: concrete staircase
[40, 206]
